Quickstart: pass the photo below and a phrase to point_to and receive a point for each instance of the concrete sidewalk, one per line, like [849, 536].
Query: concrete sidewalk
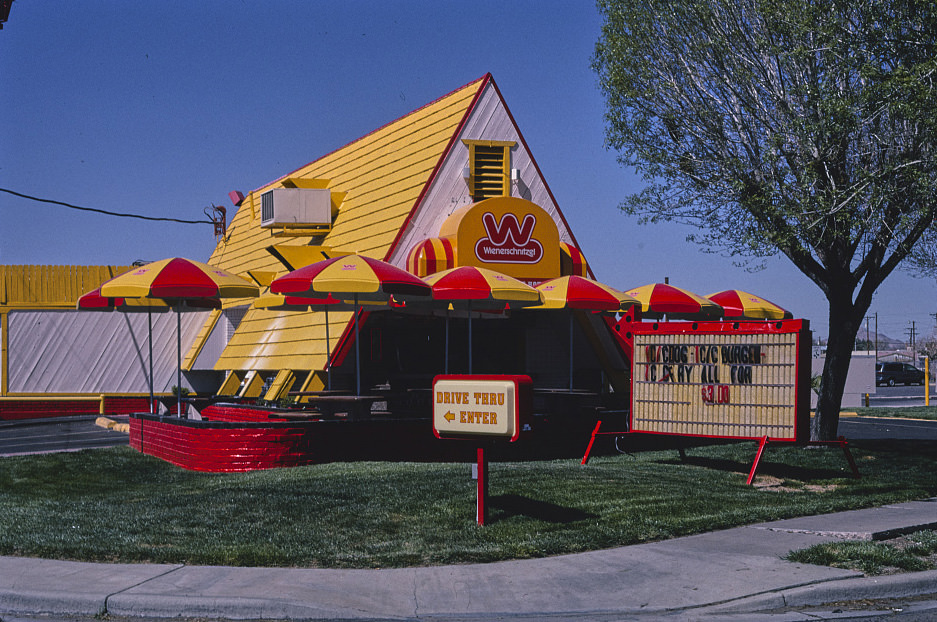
[723, 573]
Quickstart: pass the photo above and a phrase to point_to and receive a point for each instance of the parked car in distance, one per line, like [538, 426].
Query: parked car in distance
[897, 373]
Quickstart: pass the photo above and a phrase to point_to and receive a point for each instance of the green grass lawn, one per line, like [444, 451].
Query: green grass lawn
[118, 505]
[910, 412]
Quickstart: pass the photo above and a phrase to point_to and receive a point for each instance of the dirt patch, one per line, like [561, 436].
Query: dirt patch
[774, 484]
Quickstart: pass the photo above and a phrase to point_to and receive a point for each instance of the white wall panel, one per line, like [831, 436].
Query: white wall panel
[218, 338]
[66, 351]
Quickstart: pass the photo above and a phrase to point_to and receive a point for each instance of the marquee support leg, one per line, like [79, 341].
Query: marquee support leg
[849, 458]
[840, 442]
[761, 449]
[585, 457]
[844, 445]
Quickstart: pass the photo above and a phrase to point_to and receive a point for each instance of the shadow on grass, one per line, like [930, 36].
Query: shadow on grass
[776, 469]
[519, 505]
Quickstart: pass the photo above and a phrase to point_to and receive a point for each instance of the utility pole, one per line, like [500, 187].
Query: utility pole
[910, 331]
[867, 338]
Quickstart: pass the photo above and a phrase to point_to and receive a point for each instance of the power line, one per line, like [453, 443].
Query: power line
[107, 213]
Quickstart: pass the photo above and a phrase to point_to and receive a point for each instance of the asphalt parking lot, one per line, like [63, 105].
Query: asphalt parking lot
[34, 436]
[76, 433]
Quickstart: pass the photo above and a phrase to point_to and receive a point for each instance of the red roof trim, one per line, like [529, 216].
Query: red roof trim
[484, 80]
[533, 161]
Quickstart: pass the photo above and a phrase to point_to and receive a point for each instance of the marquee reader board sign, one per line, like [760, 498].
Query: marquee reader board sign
[746, 380]
[493, 406]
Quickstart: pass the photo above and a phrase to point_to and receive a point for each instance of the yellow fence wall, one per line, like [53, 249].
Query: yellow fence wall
[57, 286]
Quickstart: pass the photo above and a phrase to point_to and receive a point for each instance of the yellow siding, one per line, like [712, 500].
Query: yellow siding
[253, 386]
[232, 384]
[280, 386]
[382, 176]
[274, 340]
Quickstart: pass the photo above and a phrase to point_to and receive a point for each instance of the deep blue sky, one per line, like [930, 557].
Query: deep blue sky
[161, 108]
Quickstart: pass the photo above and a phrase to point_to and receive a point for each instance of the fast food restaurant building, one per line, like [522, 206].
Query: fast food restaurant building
[424, 193]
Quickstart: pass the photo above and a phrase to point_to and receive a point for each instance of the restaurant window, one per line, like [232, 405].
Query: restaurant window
[489, 168]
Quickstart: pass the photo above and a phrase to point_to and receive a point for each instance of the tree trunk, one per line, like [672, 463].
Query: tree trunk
[844, 326]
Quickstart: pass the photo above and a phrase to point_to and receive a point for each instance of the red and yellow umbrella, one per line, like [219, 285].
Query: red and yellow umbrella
[279, 302]
[479, 288]
[178, 281]
[486, 289]
[94, 301]
[357, 276]
[577, 292]
[658, 299]
[738, 304]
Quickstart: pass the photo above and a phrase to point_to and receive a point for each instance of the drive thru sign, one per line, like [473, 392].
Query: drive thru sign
[481, 407]
[475, 405]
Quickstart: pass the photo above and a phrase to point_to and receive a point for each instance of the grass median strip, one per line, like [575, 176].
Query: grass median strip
[118, 505]
[916, 551]
[905, 412]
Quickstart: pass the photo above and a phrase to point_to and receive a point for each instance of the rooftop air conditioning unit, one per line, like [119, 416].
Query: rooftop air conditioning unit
[296, 208]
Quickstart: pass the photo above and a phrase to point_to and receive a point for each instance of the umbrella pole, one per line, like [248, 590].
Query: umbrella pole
[571, 350]
[470, 335]
[149, 325]
[328, 352]
[357, 352]
[179, 359]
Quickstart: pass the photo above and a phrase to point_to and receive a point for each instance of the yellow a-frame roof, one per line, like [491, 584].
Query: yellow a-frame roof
[376, 182]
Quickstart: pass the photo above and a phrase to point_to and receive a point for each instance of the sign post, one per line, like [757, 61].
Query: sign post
[480, 407]
[481, 504]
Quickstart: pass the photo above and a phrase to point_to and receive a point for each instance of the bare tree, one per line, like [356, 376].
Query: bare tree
[794, 126]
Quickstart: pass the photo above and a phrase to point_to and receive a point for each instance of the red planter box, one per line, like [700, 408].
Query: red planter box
[221, 446]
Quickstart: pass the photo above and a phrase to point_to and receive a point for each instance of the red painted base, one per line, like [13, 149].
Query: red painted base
[38, 409]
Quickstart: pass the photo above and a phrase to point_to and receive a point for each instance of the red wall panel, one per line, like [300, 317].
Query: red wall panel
[36, 409]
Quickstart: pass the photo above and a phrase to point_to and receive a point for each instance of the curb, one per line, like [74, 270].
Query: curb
[228, 608]
[44, 604]
[907, 585]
